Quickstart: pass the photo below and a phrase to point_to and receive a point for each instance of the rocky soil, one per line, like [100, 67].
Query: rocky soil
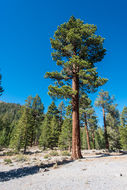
[98, 170]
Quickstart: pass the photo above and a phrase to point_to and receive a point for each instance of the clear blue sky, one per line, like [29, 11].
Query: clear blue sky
[25, 51]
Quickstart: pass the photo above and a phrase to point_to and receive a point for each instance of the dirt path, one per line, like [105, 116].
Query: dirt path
[95, 172]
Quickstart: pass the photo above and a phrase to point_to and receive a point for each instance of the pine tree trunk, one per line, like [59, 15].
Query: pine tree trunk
[26, 140]
[24, 151]
[87, 133]
[76, 147]
[105, 131]
[31, 144]
[93, 139]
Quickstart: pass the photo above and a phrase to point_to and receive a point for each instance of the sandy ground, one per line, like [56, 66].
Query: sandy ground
[96, 171]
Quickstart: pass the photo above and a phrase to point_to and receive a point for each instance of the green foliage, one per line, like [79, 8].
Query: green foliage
[51, 131]
[123, 129]
[9, 153]
[9, 115]
[78, 44]
[52, 111]
[104, 100]
[7, 161]
[35, 103]
[21, 158]
[106, 103]
[99, 139]
[22, 132]
[55, 132]
[37, 107]
[65, 138]
[54, 153]
[46, 156]
[61, 109]
[51, 127]
[123, 137]
[76, 49]
[84, 144]
[112, 119]
[65, 153]
[124, 117]
[113, 124]
[45, 137]
[88, 119]
[10, 109]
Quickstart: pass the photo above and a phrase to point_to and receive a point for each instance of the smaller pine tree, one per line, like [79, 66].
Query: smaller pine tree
[55, 132]
[22, 132]
[123, 129]
[113, 123]
[65, 138]
[84, 144]
[45, 137]
[99, 139]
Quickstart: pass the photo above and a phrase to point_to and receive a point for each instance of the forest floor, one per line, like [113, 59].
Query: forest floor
[37, 170]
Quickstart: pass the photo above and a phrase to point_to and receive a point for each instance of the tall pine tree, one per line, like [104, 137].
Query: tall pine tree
[76, 50]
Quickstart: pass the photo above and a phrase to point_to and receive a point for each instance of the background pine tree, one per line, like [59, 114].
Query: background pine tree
[21, 137]
[104, 101]
[123, 129]
[113, 124]
[65, 138]
[45, 137]
[9, 115]
[37, 109]
[55, 132]
[99, 139]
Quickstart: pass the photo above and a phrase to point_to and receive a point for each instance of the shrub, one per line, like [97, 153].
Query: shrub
[21, 158]
[46, 156]
[10, 153]
[54, 153]
[65, 153]
[7, 161]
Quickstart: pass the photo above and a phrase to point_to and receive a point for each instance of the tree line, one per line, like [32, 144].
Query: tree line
[28, 125]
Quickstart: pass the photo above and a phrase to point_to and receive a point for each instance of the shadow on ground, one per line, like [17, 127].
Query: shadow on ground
[25, 171]
[100, 155]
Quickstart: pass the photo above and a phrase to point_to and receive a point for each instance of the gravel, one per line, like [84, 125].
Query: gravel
[94, 172]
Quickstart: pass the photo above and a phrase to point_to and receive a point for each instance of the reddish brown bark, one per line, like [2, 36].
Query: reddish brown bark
[105, 130]
[87, 133]
[76, 147]
[93, 139]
